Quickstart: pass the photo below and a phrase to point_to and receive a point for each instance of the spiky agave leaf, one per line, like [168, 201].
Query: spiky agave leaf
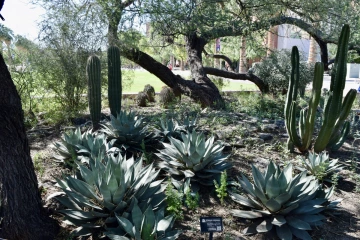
[107, 188]
[193, 157]
[277, 201]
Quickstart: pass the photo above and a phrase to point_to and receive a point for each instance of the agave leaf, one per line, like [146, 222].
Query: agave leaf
[244, 201]
[246, 185]
[82, 215]
[171, 235]
[301, 234]
[83, 188]
[264, 226]
[82, 231]
[164, 223]
[120, 207]
[80, 199]
[311, 218]
[105, 192]
[67, 202]
[245, 214]
[272, 205]
[284, 232]
[258, 178]
[252, 228]
[126, 225]
[148, 222]
[283, 198]
[136, 216]
[188, 173]
[270, 170]
[272, 187]
[297, 223]
[288, 209]
[278, 220]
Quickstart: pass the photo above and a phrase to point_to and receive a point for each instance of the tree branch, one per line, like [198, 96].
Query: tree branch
[221, 57]
[264, 88]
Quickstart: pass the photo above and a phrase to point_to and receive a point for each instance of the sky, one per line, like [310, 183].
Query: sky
[21, 17]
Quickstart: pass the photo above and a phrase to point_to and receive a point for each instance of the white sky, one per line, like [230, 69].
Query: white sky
[21, 17]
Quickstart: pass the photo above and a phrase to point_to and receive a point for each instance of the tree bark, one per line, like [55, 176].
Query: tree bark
[264, 88]
[23, 216]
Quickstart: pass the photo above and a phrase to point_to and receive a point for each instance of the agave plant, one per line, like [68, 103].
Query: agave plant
[80, 147]
[107, 189]
[143, 225]
[171, 127]
[320, 165]
[282, 204]
[128, 129]
[193, 157]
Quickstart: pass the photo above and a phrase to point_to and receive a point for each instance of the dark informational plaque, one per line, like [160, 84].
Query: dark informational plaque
[211, 224]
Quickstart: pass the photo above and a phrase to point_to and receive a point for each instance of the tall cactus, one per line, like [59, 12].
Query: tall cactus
[114, 80]
[93, 73]
[336, 110]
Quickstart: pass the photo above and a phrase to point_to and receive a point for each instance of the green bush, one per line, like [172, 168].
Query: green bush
[276, 68]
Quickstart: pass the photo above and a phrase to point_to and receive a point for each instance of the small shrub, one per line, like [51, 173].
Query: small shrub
[166, 97]
[174, 199]
[275, 70]
[150, 92]
[221, 189]
[141, 99]
[191, 200]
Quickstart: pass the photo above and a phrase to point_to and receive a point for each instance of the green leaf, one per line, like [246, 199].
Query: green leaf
[245, 214]
[136, 216]
[272, 205]
[264, 226]
[82, 215]
[297, 223]
[302, 234]
[284, 232]
[272, 187]
[126, 225]
[258, 178]
[164, 223]
[278, 220]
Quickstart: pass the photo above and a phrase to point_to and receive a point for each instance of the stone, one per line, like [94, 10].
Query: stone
[266, 136]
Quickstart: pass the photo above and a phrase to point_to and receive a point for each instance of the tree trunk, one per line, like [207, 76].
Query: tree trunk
[21, 210]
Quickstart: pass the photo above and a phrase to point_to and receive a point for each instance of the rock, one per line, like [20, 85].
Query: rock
[269, 127]
[266, 136]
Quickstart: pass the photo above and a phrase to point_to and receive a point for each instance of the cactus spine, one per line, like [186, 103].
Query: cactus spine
[336, 110]
[114, 80]
[93, 73]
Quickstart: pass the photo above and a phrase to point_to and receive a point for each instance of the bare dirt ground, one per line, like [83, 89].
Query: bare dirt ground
[345, 225]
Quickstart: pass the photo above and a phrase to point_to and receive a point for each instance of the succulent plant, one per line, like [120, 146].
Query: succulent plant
[193, 157]
[334, 128]
[114, 79]
[320, 165]
[166, 97]
[282, 204]
[108, 189]
[75, 146]
[128, 129]
[141, 99]
[171, 127]
[143, 225]
[150, 92]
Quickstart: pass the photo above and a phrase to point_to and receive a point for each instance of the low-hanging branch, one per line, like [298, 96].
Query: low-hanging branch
[264, 88]
[221, 57]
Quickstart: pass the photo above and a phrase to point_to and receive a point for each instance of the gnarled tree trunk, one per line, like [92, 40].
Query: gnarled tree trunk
[21, 210]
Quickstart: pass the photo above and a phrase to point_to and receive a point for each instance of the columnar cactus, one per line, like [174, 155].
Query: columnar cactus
[93, 73]
[114, 80]
[336, 110]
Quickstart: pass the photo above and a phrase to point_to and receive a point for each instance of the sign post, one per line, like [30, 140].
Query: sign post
[211, 225]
